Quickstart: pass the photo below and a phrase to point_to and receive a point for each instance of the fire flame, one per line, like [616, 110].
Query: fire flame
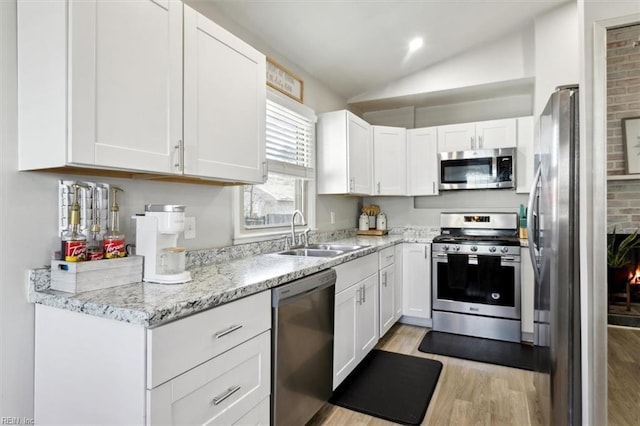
[634, 277]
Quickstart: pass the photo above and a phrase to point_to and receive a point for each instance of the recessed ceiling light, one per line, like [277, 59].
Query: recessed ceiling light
[415, 44]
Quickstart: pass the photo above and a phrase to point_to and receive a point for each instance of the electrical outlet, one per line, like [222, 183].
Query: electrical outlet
[333, 217]
[189, 227]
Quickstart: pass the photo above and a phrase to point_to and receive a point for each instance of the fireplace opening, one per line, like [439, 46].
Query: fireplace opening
[624, 282]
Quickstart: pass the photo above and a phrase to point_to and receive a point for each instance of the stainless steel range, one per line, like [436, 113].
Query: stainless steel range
[476, 275]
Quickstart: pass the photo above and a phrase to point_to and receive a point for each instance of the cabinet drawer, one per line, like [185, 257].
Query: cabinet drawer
[220, 391]
[354, 271]
[181, 345]
[387, 257]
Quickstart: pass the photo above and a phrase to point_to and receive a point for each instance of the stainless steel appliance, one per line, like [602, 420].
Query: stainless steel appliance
[480, 169]
[476, 275]
[554, 242]
[302, 348]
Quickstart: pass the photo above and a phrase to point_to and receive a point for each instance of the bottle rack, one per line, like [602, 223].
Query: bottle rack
[93, 200]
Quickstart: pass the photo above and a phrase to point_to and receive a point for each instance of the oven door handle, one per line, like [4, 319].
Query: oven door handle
[533, 236]
[473, 259]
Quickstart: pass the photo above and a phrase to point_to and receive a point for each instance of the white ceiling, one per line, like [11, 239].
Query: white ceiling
[360, 45]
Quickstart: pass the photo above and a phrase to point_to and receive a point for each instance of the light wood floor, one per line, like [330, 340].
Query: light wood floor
[623, 361]
[468, 393]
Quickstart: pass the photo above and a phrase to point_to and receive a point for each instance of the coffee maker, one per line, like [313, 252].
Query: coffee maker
[156, 239]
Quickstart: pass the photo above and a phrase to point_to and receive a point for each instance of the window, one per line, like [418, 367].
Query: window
[290, 147]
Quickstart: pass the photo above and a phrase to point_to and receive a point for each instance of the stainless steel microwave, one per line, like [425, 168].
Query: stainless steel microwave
[480, 169]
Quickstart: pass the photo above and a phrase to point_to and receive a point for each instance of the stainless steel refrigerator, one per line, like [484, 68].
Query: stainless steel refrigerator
[555, 252]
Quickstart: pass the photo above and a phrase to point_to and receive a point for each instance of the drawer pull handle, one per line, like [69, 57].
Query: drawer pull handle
[226, 394]
[229, 330]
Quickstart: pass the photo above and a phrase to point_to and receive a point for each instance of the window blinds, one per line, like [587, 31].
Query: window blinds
[290, 139]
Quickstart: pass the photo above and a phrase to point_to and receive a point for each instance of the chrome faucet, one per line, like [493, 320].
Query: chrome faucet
[293, 228]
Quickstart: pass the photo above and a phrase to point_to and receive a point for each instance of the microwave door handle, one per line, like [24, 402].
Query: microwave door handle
[494, 168]
[533, 236]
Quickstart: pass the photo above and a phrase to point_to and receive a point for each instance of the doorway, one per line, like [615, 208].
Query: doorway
[623, 174]
[622, 103]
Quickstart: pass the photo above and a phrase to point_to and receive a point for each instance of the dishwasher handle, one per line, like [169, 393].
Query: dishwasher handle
[303, 286]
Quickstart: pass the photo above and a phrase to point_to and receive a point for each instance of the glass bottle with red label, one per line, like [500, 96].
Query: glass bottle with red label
[114, 239]
[74, 243]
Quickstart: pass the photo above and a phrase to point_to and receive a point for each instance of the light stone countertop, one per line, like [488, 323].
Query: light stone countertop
[150, 304]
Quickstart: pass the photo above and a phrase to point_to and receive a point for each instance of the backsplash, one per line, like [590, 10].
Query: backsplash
[40, 279]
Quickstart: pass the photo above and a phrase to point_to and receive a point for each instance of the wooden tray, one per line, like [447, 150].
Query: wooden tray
[373, 232]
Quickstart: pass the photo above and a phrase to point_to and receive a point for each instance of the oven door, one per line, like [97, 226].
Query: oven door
[487, 285]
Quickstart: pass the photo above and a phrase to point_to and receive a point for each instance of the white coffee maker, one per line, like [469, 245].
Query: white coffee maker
[156, 239]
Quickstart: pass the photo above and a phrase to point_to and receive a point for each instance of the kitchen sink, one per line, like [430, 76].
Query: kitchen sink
[341, 247]
[314, 252]
[322, 250]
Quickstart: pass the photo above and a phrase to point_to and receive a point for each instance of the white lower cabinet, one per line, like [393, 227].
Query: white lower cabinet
[212, 367]
[356, 314]
[399, 284]
[220, 391]
[416, 277]
[387, 284]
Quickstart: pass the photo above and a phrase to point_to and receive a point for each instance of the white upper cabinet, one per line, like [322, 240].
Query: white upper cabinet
[390, 160]
[496, 134]
[456, 137]
[100, 84]
[481, 135]
[345, 154]
[224, 103]
[422, 161]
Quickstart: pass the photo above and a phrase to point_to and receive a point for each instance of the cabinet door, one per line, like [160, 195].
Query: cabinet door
[456, 137]
[345, 351]
[360, 155]
[416, 276]
[398, 283]
[496, 134]
[387, 298]
[422, 161]
[367, 323]
[125, 70]
[524, 158]
[389, 160]
[224, 103]
[219, 391]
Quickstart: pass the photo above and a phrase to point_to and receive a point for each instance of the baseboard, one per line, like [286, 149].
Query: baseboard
[420, 322]
[526, 337]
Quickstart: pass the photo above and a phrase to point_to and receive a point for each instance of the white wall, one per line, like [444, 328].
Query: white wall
[28, 220]
[425, 211]
[509, 58]
[557, 51]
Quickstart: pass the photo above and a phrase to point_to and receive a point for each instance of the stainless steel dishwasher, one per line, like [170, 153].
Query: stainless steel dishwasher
[302, 348]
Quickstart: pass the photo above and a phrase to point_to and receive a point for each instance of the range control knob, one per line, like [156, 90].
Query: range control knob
[456, 248]
[445, 247]
[474, 248]
[492, 249]
[504, 249]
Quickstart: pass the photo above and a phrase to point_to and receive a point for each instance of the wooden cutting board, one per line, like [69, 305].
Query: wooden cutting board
[373, 232]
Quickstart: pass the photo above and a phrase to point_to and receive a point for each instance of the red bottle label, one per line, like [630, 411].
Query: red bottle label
[114, 248]
[74, 251]
[95, 255]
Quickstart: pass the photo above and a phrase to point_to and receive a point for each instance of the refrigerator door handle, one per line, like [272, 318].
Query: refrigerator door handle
[532, 236]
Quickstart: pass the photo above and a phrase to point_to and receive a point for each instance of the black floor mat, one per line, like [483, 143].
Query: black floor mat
[390, 386]
[510, 354]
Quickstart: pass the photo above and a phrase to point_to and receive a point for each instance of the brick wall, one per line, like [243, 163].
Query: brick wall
[623, 100]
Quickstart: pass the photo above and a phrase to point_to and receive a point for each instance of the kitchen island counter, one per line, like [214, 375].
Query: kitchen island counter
[212, 285]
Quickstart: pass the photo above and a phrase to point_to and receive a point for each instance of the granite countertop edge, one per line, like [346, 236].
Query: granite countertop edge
[151, 305]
